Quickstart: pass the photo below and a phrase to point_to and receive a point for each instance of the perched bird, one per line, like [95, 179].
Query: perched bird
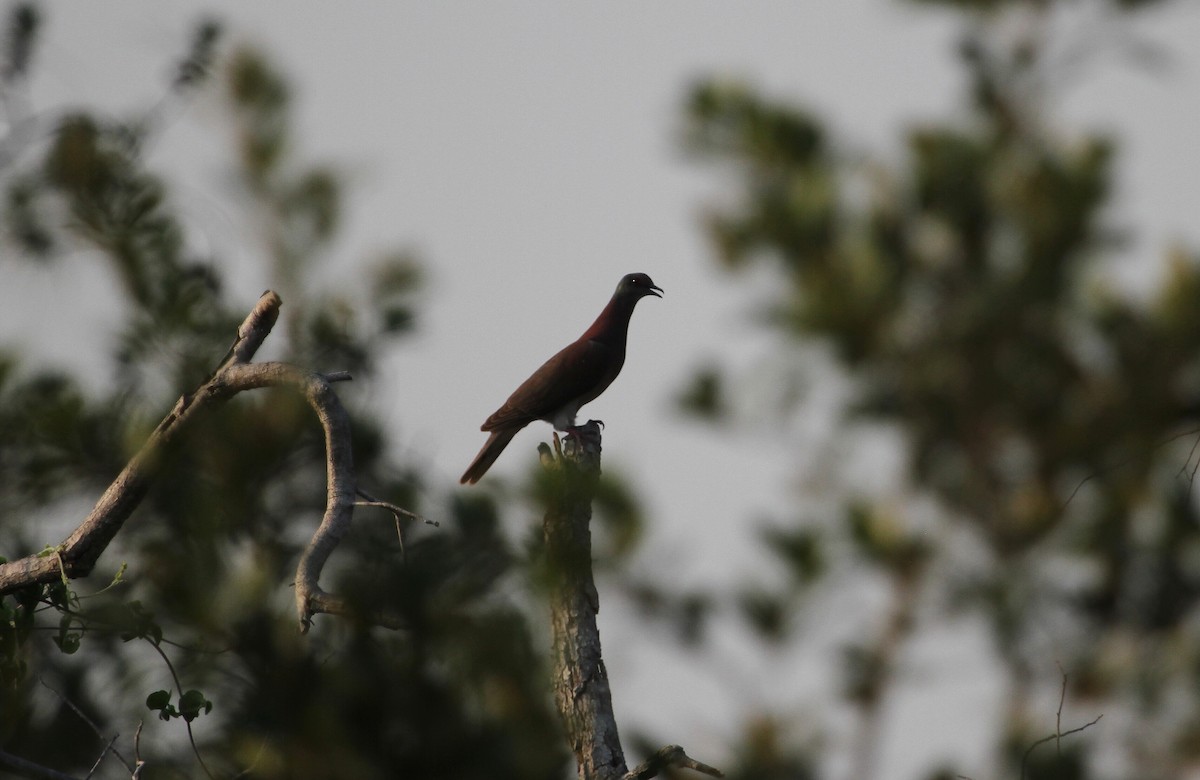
[577, 374]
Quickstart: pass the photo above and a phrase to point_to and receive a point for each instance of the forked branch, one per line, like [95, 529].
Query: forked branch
[78, 553]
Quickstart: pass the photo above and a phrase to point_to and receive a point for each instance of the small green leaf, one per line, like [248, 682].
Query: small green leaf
[191, 703]
[160, 701]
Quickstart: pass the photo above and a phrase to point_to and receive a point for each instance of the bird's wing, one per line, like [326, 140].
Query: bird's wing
[573, 373]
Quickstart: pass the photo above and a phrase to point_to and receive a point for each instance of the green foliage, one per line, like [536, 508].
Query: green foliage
[801, 549]
[1048, 422]
[190, 706]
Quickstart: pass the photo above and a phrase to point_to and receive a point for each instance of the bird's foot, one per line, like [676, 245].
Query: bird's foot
[589, 428]
[581, 438]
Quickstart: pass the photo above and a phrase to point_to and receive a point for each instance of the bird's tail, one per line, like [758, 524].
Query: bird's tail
[487, 456]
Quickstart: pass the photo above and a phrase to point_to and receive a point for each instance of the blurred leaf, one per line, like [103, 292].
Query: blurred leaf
[704, 397]
[801, 549]
[766, 613]
[395, 281]
[24, 20]
[191, 705]
[194, 68]
[619, 514]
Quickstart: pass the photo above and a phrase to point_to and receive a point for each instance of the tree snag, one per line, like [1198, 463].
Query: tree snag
[580, 681]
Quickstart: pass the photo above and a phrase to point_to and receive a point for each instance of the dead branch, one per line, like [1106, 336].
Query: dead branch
[24, 768]
[669, 757]
[77, 555]
[1058, 732]
[109, 748]
[580, 681]
[398, 512]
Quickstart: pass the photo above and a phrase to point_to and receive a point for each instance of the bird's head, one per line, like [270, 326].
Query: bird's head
[637, 286]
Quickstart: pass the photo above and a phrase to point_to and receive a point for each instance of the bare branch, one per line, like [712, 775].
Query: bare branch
[1100, 472]
[339, 466]
[1056, 736]
[91, 724]
[137, 752]
[397, 513]
[669, 757]
[340, 482]
[25, 768]
[77, 555]
[103, 753]
[1058, 732]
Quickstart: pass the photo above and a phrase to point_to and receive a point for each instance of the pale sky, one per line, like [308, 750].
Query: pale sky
[530, 153]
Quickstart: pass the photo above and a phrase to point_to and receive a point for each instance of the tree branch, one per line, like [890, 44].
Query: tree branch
[77, 555]
[669, 757]
[1058, 732]
[25, 768]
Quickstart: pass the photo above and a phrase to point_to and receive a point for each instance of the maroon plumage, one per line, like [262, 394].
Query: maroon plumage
[576, 375]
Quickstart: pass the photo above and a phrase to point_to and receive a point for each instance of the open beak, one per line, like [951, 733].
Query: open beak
[656, 291]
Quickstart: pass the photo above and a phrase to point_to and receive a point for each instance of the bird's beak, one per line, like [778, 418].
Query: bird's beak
[655, 290]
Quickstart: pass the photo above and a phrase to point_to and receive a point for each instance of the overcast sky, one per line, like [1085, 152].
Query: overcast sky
[529, 152]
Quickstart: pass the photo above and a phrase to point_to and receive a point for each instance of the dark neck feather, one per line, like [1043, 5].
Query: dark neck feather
[612, 326]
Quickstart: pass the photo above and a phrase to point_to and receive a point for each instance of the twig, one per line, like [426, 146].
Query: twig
[29, 769]
[370, 500]
[397, 512]
[103, 753]
[1184, 468]
[1058, 732]
[1062, 697]
[669, 757]
[1056, 735]
[91, 724]
[137, 752]
[1125, 462]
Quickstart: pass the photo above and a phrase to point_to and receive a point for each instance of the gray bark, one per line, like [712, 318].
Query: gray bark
[580, 681]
